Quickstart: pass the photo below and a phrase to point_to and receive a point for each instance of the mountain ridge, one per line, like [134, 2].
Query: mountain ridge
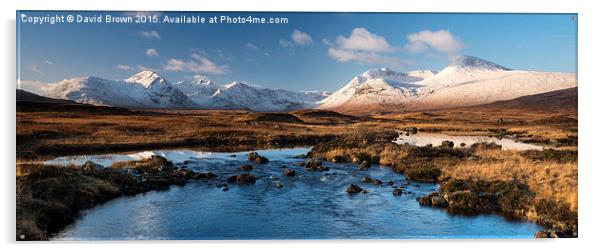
[467, 81]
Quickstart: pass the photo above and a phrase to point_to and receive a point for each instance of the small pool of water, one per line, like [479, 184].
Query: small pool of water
[435, 139]
[311, 205]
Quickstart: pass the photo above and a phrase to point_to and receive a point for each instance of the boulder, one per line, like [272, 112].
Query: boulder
[315, 165]
[376, 182]
[438, 201]
[246, 168]
[447, 144]
[353, 189]
[288, 172]
[255, 157]
[434, 199]
[396, 191]
[364, 165]
[90, 166]
[208, 175]
[242, 179]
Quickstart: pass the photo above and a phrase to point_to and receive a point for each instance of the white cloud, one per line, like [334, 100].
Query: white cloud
[124, 67]
[363, 47]
[251, 46]
[152, 52]
[364, 57]
[198, 65]
[441, 41]
[301, 38]
[149, 34]
[286, 44]
[142, 68]
[362, 39]
[37, 70]
[49, 62]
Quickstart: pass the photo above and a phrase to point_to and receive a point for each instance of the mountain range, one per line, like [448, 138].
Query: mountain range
[467, 81]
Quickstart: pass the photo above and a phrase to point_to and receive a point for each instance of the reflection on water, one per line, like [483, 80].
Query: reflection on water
[311, 205]
[435, 139]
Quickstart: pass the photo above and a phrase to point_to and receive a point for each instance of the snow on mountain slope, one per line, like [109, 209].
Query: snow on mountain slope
[148, 89]
[143, 90]
[238, 95]
[377, 86]
[467, 81]
[199, 90]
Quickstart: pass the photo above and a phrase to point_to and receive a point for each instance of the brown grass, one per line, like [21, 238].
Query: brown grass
[549, 179]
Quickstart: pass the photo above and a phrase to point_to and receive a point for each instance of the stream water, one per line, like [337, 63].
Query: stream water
[311, 205]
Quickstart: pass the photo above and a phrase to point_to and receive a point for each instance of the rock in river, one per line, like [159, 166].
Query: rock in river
[397, 192]
[364, 165]
[353, 189]
[288, 172]
[244, 178]
[246, 168]
[315, 165]
[366, 179]
[253, 156]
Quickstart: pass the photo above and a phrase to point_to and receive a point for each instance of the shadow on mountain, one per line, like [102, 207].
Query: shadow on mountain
[559, 99]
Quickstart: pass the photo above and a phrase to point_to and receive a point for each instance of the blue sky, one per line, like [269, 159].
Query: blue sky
[313, 51]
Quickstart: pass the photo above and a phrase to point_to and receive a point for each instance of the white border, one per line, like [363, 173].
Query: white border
[589, 70]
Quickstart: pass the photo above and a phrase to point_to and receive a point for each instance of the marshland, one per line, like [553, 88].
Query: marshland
[532, 191]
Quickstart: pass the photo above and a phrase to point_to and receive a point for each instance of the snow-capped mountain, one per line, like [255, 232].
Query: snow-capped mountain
[198, 90]
[238, 95]
[467, 81]
[148, 89]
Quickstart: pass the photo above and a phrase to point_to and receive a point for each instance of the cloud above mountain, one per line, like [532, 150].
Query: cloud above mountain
[152, 52]
[442, 41]
[197, 64]
[364, 47]
[363, 40]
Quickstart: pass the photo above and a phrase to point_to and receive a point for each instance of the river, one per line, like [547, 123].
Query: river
[311, 205]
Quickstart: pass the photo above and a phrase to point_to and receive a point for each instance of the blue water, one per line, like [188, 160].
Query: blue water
[312, 205]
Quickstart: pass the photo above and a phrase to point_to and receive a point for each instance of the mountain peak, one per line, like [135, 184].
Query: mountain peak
[471, 62]
[202, 80]
[147, 78]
